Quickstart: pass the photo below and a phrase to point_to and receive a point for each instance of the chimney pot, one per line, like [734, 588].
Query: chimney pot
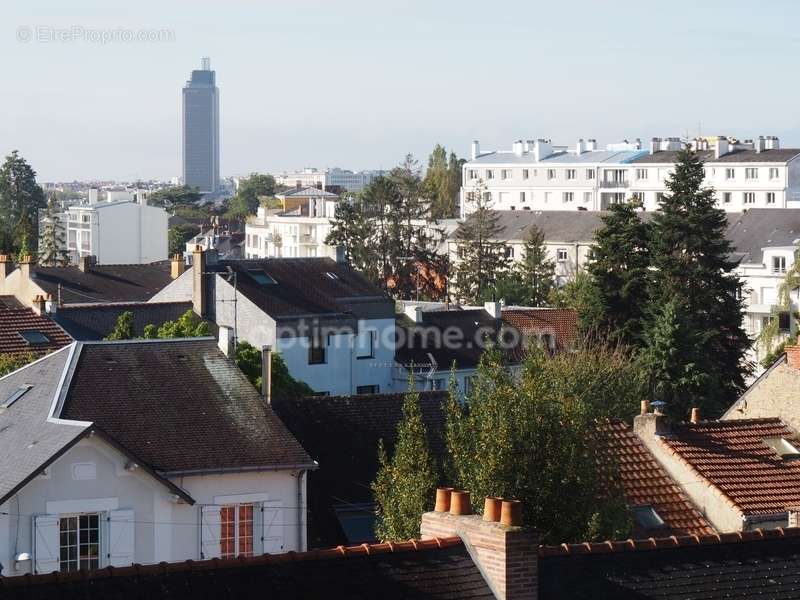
[793, 356]
[492, 507]
[443, 500]
[645, 407]
[695, 415]
[38, 304]
[177, 266]
[459, 503]
[511, 513]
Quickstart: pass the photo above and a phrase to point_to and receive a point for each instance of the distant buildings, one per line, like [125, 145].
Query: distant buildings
[352, 181]
[200, 144]
[537, 175]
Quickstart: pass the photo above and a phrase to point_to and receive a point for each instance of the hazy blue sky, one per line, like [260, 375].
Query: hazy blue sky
[359, 83]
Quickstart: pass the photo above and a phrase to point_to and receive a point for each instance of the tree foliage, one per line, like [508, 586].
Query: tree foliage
[536, 272]
[442, 183]
[249, 194]
[11, 362]
[123, 328]
[186, 326]
[248, 359]
[181, 195]
[482, 259]
[404, 485]
[536, 438]
[53, 243]
[20, 201]
[178, 235]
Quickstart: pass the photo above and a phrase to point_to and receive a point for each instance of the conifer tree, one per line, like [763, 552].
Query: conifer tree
[620, 273]
[20, 201]
[536, 271]
[691, 264]
[52, 243]
[482, 258]
[404, 486]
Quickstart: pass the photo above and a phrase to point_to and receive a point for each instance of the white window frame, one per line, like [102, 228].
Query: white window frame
[551, 174]
[748, 197]
[641, 174]
[589, 173]
[525, 173]
[489, 174]
[568, 197]
[751, 173]
[727, 197]
[237, 529]
[778, 265]
[79, 541]
[730, 173]
[571, 174]
[774, 173]
[562, 255]
[770, 197]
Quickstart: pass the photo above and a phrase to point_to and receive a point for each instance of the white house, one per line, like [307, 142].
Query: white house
[334, 329]
[113, 453]
[536, 175]
[118, 232]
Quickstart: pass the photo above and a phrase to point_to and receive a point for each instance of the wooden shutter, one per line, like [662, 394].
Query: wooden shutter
[209, 532]
[272, 527]
[121, 543]
[46, 548]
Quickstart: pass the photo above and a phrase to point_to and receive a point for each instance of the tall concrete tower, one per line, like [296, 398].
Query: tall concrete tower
[200, 144]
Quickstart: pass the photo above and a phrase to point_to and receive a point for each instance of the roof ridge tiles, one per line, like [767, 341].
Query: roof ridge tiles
[223, 563]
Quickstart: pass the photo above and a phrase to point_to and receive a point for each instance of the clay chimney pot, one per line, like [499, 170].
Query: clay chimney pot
[492, 507]
[443, 499]
[645, 407]
[459, 503]
[511, 513]
[695, 415]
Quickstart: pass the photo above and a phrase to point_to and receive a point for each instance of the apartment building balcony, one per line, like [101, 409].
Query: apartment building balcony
[622, 183]
[307, 240]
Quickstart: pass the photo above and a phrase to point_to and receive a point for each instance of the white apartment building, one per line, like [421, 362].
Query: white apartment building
[297, 230]
[352, 181]
[118, 232]
[536, 175]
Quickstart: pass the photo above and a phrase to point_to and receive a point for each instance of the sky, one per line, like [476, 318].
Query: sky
[358, 84]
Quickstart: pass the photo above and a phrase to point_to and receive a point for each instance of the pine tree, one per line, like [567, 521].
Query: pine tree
[482, 258]
[20, 201]
[536, 271]
[620, 272]
[443, 182]
[350, 230]
[52, 243]
[404, 486]
[691, 264]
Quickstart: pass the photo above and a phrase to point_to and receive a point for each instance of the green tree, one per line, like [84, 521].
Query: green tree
[178, 235]
[620, 273]
[481, 257]
[11, 362]
[255, 187]
[123, 329]
[52, 243]
[185, 326]
[530, 438]
[171, 197]
[676, 360]
[442, 183]
[404, 485]
[20, 201]
[536, 271]
[351, 230]
[691, 265]
[248, 359]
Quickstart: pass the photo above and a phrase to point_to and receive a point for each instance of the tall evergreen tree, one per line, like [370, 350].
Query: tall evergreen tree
[482, 258]
[351, 230]
[536, 271]
[404, 485]
[53, 243]
[691, 265]
[20, 201]
[620, 272]
[443, 182]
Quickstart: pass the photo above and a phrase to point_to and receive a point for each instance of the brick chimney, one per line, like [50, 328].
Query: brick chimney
[199, 282]
[794, 516]
[793, 355]
[6, 266]
[504, 551]
[25, 264]
[38, 304]
[177, 266]
[85, 263]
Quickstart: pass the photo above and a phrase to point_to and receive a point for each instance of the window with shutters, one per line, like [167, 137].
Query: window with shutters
[79, 542]
[236, 530]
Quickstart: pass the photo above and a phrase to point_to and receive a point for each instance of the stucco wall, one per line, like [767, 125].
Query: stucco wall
[774, 395]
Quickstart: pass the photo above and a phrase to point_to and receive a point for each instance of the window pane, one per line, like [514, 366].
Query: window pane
[246, 529]
[227, 531]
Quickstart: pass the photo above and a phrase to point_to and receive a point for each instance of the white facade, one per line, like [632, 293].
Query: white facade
[298, 233]
[352, 181]
[536, 175]
[118, 232]
[133, 517]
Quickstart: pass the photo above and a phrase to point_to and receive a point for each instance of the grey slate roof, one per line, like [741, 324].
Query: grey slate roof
[781, 155]
[568, 226]
[28, 441]
[760, 228]
[527, 158]
[307, 191]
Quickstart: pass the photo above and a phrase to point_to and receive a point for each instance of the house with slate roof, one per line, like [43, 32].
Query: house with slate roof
[114, 453]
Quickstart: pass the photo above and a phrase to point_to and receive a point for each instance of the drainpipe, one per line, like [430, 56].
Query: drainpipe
[301, 475]
[266, 373]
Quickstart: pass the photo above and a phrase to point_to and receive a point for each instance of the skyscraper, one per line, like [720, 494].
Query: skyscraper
[200, 145]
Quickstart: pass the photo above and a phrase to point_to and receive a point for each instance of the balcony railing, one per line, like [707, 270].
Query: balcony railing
[622, 183]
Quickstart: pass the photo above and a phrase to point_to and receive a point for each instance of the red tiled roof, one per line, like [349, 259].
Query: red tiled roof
[562, 323]
[16, 320]
[644, 482]
[732, 456]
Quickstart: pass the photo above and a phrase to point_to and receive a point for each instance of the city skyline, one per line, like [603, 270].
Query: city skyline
[318, 85]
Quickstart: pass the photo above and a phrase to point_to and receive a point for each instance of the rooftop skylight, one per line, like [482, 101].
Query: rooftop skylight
[34, 337]
[16, 395]
[261, 277]
[646, 517]
[783, 447]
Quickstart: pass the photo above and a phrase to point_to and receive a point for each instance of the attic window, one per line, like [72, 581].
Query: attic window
[34, 337]
[646, 517]
[261, 277]
[330, 275]
[18, 393]
[784, 448]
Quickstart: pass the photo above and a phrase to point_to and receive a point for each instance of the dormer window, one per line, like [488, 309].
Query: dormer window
[783, 447]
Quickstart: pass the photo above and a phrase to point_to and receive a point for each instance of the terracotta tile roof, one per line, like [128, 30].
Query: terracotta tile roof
[561, 323]
[15, 321]
[645, 483]
[431, 569]
[733, 457]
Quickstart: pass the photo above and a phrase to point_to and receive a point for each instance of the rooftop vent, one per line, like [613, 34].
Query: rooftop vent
[18, 393]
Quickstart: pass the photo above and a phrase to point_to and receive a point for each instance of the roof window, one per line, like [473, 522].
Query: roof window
[261, 277]
[646, 517]
[330, 275]
[16, 395]
[34, 337]
[783, 447]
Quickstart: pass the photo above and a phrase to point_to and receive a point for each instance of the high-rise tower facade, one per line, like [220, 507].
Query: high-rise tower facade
[200, 140]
